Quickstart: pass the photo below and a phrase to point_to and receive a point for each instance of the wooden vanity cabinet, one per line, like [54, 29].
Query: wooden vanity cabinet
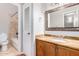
[44, 48]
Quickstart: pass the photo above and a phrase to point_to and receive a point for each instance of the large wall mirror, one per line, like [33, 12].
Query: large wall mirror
[63, 18]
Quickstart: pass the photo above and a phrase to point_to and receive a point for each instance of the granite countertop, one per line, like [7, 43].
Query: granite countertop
[67, 42]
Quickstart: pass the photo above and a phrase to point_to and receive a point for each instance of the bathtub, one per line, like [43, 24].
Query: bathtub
[15, 42]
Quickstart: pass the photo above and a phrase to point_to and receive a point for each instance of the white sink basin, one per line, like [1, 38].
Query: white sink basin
[59, 40]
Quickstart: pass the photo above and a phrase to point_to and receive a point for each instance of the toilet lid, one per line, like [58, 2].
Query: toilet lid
[3, 37]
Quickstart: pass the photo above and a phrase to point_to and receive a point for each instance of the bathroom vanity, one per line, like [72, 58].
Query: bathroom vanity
[55, 46]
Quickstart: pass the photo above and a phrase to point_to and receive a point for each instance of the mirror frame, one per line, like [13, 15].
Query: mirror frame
[59, 28]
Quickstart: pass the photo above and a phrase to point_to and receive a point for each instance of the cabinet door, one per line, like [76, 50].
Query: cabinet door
[39, 48]
[62, 51]
[49, 49]
[73, 52]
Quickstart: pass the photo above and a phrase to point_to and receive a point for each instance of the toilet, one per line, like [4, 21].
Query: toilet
[3, 42]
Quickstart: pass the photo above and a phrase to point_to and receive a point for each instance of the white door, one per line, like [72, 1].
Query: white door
[27, 33]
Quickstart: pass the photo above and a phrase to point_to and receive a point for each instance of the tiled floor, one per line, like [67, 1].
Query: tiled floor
[11, 52]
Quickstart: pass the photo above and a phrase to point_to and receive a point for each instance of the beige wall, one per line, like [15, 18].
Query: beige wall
[6, 10]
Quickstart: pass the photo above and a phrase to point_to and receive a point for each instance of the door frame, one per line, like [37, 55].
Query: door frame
[20, 18]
